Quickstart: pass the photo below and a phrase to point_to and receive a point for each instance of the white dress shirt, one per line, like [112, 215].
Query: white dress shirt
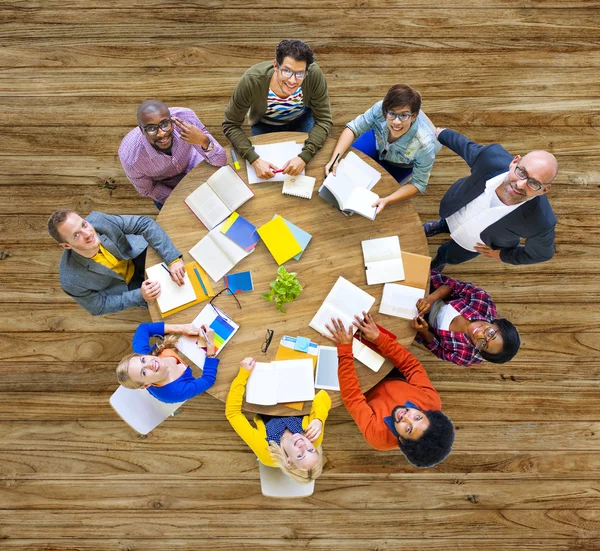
[467, 223]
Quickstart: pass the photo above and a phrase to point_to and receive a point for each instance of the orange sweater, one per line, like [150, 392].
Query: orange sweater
[368, 411]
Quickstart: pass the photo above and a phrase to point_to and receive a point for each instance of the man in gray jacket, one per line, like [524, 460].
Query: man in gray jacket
[102, 266]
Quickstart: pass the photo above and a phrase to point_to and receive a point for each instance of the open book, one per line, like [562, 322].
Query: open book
[350, 189]
[217, 254]
[171, 295]
[343, 301]
[366, 355]
[218, 197]
[223, 326]
[277, 154]
[400, 300]
[383, 260]
[280, 382]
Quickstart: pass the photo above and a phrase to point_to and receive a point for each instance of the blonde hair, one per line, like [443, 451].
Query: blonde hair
[295, 473]
[123, 367]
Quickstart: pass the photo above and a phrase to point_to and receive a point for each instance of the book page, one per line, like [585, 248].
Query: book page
[361, 201]
[277, 154]
[340, 187]
[385, 271]
[366, 356]
[360, 171]
[207, 206]
[230, 188]
[324, 315]
[261, 388]
[400, 300]
[229, 248]
[382, 248]
[171, 295]
[208, 254]
[327, 368]
[294, 380]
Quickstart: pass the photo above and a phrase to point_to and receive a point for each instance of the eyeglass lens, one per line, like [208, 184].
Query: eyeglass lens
[390, 115]
[164, 125]
[522, 174]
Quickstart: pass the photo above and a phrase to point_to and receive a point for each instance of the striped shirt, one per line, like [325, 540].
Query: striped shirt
[154, 173]
[283, 110]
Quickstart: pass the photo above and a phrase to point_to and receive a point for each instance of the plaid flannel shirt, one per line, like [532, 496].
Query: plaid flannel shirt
[469, 301]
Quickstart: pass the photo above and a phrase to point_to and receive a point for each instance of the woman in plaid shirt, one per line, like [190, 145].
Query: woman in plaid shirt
[457, 322]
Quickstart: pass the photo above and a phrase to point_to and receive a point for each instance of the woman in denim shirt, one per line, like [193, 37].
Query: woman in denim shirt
[396, 134]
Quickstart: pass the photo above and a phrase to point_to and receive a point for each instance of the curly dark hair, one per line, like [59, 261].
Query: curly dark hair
[295, 49]
[511, 340]
[435, 443]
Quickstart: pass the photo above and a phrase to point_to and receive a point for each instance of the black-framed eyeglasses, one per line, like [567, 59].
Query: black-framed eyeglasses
[230, 294]
[489, 334]
[532, 183]
[268, 338]
[287, 73]
[152, 129]
[391, 116]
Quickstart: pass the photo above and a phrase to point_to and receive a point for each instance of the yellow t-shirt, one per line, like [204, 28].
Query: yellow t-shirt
[125, 268]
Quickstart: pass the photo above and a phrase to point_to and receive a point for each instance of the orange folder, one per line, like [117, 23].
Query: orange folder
[200, 294]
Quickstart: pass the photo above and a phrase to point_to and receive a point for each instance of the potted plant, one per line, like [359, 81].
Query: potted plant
[284, 289]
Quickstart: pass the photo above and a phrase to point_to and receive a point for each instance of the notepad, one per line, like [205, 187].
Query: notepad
[218, 197]
[223, 326]
[400, 300]
[343, 301]
[279, 239]
[416, 270]
[171, 295]
[349, 189]
[303, 237]
[240, 231]
[383, 260]
[327, 369]
[280, 382]
[287, 351]
[238, 283]
[217, 254]
[299, 186]
[277, 154]
[366, 355]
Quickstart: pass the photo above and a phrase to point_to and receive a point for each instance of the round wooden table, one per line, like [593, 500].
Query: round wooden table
[335, 250]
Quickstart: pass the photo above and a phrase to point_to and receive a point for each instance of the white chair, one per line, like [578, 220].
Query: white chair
[274, 483]
[140, 410]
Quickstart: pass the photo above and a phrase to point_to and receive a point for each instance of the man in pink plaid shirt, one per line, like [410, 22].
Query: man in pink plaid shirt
[166, 145]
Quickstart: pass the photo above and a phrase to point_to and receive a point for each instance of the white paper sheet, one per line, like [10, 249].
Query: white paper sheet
[277, 154]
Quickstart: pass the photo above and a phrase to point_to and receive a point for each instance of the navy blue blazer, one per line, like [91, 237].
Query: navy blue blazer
[534, 221]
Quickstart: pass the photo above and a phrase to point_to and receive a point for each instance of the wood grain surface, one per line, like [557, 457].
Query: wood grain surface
[523, 474]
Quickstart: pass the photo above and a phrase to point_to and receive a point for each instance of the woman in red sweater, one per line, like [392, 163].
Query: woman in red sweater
[395, 413]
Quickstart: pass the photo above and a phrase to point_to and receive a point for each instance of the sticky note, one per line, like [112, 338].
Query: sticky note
[302, 344]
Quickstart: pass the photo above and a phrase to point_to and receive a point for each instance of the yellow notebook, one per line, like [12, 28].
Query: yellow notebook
[279, 240]
[200, 294]
[285, 353]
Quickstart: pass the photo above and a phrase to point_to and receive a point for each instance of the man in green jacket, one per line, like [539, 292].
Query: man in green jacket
[288, 95]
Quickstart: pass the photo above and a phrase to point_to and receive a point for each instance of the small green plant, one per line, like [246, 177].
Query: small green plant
[284, 289]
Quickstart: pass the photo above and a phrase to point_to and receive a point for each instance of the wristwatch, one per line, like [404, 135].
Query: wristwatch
[210, 146]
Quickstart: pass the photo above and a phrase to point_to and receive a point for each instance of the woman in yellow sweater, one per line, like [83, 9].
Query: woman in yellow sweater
[291, 443]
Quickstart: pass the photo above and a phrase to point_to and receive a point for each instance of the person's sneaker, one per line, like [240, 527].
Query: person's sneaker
[434, 227]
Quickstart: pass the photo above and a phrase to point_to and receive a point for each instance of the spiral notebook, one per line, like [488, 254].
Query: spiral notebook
[299, 186]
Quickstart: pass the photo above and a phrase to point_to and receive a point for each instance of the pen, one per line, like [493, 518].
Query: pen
[236, 164]
[168, 271]
[334, 161]
[200, 280]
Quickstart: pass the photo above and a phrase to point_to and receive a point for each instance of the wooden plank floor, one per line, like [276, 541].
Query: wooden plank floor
[524, 473]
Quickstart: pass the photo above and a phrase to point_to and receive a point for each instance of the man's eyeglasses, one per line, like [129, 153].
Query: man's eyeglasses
[531, 182]
[268, 339]
[391, 116]
[488, 335]
[287, 73]
[152, 129]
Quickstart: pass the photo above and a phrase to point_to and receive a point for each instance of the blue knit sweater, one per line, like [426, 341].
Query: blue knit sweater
[187, 386]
